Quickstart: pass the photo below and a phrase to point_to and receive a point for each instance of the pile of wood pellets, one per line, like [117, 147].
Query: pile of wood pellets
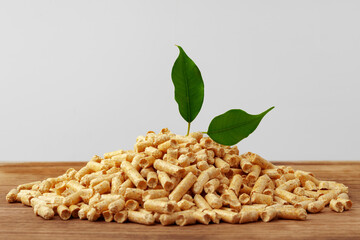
[183, 180]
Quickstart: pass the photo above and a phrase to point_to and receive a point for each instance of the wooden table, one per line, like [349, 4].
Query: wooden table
[19, 222]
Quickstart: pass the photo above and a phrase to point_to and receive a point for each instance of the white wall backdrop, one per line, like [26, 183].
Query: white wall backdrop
[80, 78]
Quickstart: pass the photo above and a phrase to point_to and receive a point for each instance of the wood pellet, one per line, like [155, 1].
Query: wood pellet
[183, 180]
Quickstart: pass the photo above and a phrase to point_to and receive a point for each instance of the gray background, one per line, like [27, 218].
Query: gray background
[80, 78]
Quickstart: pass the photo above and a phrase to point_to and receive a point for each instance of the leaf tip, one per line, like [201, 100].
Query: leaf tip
[267, 111]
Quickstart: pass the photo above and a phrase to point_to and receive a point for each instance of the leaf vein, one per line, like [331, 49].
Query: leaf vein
[234, 126]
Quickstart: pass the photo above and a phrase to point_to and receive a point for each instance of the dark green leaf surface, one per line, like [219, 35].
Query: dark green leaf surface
[189, 86]
[233, 126]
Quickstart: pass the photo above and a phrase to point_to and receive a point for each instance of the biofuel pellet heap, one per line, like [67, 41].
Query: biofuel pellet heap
[173, 179]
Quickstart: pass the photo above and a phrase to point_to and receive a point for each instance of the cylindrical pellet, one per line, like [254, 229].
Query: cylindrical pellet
[246, 189]
[290, 185]
[93, 215]
[104, 203]
[152, 179]
[165, 180]
[169, 219]
[247, 216]
[346, 202]
[120, 217]
[125, 185]
[272, 173]
[72, 199]
[202, 217]
[12, 196]
[200, 182]
[103, 187]
[215, 218]
[254, 174]
[328, 196]
[245, 165]
[183, 187]
[261, 184]
[193, 169]
[244, 199]
[131, 205]
[305, 176]
[291, 213]
[45, 212]
[303, 204]
[95, 166]
[213, 200]
[172, 143]
[116, 206]
[316, 206]
[343, 196]
[154, 194]
[230, 198]
[185, 204]
[287, 196]
[235, 183]
[45, 186]
[228, 216]
[146, 162]
[115, 184]
[26, 199]
[134, 193]
[222, 165]
[63, 212]
[256, 159]
[133, 175]
[336, 206]
[74, 185]
[185, 218]
[261, 198]
[141, 217]
[82, 172]
[211, 185]
[159, 206]
[74, 210]
[27, 186]
[108, 216]
[169, 168]
[184, 161]
[268, 214]
[311, 186]
[114, 153]
[154, 152]
[84, 209]
[232, 160]
[201, 203]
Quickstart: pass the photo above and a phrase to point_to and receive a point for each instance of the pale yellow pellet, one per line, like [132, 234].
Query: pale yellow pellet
[63, 212]
[140, 217]
[133, 175]
[201, 203]
[159, 206]
[214, 200]
[120, 217]
[227, 216]
[235, 183]
[183, 187]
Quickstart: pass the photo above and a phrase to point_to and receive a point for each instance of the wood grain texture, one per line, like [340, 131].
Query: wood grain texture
[19, 222]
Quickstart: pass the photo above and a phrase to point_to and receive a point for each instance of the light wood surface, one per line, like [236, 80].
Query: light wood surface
[19, 222]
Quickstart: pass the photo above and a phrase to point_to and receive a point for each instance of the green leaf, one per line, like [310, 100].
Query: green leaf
[233, 126]
[189, 86]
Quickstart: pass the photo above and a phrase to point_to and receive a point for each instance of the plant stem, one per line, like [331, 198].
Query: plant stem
[188, 131]
[204, 132]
